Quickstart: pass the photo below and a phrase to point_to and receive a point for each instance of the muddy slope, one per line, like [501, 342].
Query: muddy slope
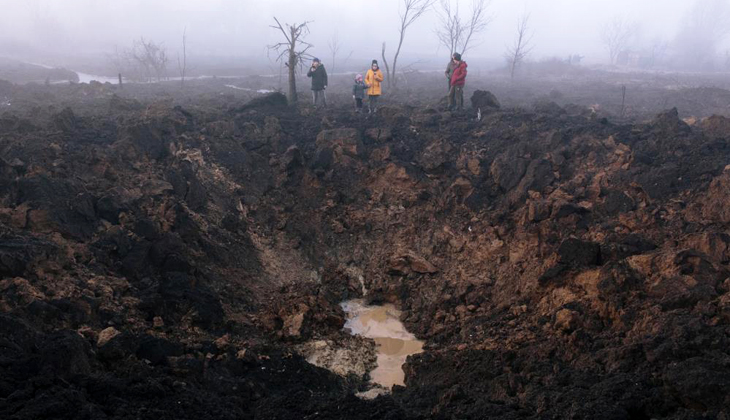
[163, 260]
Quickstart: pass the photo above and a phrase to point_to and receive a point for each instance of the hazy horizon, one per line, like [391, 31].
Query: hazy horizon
[55, 29]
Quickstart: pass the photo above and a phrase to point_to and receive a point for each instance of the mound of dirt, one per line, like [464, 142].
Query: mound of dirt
[484, 100]
[271, 102]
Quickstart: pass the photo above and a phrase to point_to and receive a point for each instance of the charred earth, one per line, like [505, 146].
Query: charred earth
[168, 258]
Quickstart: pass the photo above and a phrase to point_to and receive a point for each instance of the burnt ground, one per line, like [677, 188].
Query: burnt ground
[162, 251]
[573, 88]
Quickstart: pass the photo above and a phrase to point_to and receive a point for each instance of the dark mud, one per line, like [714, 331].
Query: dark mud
[162, 258]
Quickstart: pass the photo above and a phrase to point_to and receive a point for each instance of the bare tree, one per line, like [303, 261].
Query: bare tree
[144, 61]
[182, 65]
[516, 54]
[334, 45]
[413, 9]
[456, 33]
[295, 49]
[152, 57]
[706, 25]
[617, 35]
[450, 30]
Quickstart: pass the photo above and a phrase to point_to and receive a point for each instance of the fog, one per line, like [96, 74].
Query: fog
[64, 31]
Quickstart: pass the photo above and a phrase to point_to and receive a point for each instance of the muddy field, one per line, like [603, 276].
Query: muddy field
[171, 253]
[623, 94]
[573, 88]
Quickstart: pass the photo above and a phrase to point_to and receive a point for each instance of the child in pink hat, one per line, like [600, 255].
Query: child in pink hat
[358, 92]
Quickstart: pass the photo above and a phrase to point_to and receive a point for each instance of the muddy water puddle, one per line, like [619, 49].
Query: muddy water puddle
[394, 343]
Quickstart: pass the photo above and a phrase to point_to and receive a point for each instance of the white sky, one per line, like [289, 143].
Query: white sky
[240, 27]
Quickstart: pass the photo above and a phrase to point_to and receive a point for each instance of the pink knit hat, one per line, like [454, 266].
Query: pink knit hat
[358, 77]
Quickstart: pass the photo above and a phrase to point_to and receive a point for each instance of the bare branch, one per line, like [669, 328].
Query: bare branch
[413, 9]
[281, 28]
[450, 32]
[334, 46]
[348, 57]
[478, 23]
[522, 47]
[148, 58]
[617, 35]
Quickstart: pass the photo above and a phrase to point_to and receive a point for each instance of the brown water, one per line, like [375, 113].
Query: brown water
[394, 342]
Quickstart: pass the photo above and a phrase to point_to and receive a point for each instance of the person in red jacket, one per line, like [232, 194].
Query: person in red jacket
[458, 80]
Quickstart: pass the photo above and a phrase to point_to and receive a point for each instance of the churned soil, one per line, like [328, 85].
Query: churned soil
[169, 255]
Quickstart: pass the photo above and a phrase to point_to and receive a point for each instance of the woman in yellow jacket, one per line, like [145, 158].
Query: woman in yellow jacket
[373, 79]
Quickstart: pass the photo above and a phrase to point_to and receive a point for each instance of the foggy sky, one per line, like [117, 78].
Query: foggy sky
[240, 28]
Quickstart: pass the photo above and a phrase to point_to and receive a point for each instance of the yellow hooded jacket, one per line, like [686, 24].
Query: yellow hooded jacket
[373, 79]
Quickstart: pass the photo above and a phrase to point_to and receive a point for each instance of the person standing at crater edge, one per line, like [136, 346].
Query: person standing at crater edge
[319, 82]
[373, 79]
[458, 80]
[449, 72]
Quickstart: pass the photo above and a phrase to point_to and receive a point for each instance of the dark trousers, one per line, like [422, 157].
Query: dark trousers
[319, 96]
[456, 97]
[373, 102]
[358, 103]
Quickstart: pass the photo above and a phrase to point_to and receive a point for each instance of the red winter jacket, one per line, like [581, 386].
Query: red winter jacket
[459, 76]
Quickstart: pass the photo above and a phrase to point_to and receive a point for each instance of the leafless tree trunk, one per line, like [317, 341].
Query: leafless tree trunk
[522, 46]
[617, 35]
[413, 9]
[335, 45]
[385, 62]
[295, 49]
[456, 33]
[182, 65]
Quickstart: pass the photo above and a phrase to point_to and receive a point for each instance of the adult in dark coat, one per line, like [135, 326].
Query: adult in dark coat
[319, 82]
